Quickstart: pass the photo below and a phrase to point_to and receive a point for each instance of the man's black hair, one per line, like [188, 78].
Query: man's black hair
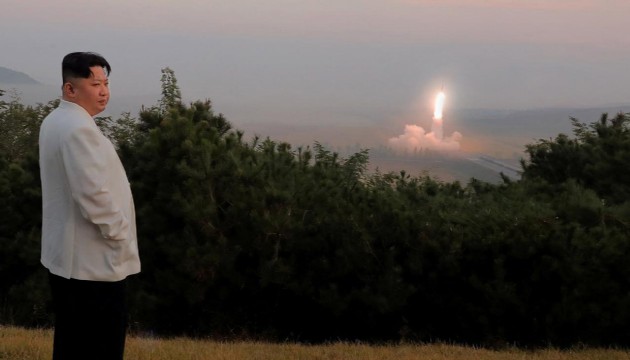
[78, 64]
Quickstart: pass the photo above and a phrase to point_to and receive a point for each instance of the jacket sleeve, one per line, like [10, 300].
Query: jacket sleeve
[85, 155]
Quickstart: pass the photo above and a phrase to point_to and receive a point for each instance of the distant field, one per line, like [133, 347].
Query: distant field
[447, 169]
[21, 344]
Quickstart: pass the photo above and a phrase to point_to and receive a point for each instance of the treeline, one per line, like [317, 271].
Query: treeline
[254, 239]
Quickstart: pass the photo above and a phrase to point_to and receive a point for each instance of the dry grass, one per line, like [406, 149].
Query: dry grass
[22, 344]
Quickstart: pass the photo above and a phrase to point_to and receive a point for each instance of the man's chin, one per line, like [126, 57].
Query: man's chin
[100, 109]
[97, 112]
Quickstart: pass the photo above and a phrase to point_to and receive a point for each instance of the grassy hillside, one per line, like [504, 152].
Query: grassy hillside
[22, 344]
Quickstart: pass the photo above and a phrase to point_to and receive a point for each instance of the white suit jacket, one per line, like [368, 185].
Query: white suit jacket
[88, 220]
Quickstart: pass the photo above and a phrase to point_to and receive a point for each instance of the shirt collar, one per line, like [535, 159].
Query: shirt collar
[74, 106]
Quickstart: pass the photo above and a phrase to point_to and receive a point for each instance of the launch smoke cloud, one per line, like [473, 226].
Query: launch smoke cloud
[415, 138]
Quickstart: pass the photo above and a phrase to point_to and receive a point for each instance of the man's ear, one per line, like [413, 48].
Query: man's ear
[68, 89]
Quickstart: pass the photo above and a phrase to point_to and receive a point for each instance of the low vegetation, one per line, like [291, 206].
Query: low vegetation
[252, 239]
[21, 344]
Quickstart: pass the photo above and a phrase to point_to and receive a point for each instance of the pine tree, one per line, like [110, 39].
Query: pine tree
[597, 158]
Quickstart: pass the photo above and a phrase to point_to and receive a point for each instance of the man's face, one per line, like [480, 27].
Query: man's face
[92, 93]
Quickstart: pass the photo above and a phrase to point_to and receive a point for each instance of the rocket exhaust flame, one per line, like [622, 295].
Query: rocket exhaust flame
[436, 128]
[439, 105]
[415, 138]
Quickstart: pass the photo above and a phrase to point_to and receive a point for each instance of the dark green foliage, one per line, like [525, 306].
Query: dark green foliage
[122, 132]
[19, 125]
[257, 239]
[171, 95]
[22, 296]
[596, 158]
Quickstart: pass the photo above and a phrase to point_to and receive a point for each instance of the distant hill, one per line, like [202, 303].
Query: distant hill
[8, 76]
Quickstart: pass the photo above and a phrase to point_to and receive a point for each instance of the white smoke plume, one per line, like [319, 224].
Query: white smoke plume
[415, 138]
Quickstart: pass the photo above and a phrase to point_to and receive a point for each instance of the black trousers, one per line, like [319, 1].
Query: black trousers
[90, 319]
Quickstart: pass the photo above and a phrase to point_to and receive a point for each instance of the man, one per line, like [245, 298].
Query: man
[88, 230]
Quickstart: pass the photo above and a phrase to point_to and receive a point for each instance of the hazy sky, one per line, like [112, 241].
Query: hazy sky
[321, 57]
